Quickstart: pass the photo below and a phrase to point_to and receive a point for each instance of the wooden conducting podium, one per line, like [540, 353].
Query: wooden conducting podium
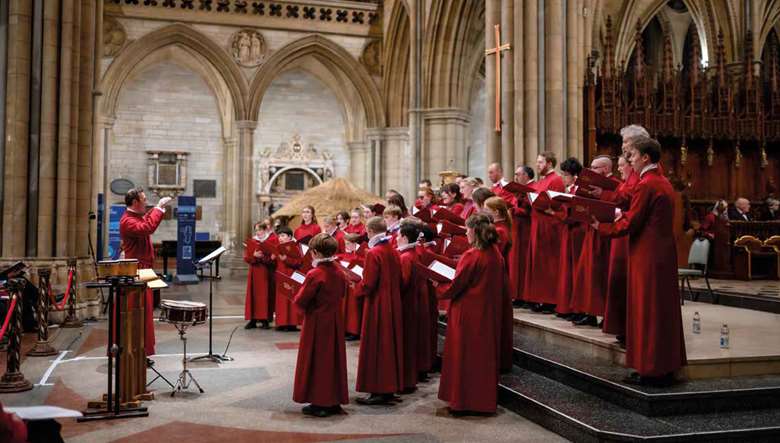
[126, 378]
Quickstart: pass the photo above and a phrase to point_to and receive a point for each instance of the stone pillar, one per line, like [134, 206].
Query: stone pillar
[445, 139]
[395, 161]
[573, 80]
[508, 86]
[373, 165]
[245, 190]
[554, 99]
[17, 116]
[414, 162]
[82, 225]
[358, 173]
[102, 142]
[492, 138]
[230, 195]
[64, 158]
[518, 56]
[530, 109]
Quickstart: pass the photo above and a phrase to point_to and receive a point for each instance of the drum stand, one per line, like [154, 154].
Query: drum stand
[150, 365]
[211, 356]
[183, 382]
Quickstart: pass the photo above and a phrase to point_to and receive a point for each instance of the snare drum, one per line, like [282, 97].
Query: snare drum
[182, 312]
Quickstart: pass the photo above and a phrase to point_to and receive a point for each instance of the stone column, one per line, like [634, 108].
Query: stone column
[414, 162]
[244, 193]
[358, 174]
[48, 153]
[530, 113]
[230, 195]
[102, 142]
[64, 158]
[83, 226]
[16, 128]
[396, 152]
[373, 164]
[518, 56]
[573, 80]
[508, 85]
[445, 138]
[492, 138]
[554, 99]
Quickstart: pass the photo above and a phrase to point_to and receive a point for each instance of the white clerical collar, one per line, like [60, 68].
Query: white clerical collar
[395, 226]
[649, 167]
[263, 238]
[375, 240]
[317, 261]
[501, 182]
[406, 247]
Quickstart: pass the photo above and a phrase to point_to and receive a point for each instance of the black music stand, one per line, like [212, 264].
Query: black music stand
[113, 408]
[208, 261]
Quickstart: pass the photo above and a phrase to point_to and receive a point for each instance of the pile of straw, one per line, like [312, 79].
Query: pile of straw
[328, 198]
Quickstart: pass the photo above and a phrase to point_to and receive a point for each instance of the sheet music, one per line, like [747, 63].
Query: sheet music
[344, 263]
[214, 254]
[358, 270]
[554, 194]
[442, 269]
[41, 412]
[298, 277]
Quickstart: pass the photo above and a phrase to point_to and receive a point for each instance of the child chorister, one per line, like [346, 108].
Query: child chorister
[352, 306]
[259, 304]
[287, 316]
[321, 369]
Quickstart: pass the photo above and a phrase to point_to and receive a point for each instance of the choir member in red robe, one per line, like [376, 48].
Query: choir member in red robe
[331, 228]
[572, 233]
[380, 361]
[355, 225]
[467, 187]
[708, 225]
[308, 227]
[392, 216]
[451, 198]
[428, 340]
[593, 263]
[426, 199]
[655, 345]
[472, 347]
[135, 229]
[259, 304]
[497, 208]
[287, 315]
[521, 231]
[545, 242]
[342, 220]
[479, 197]
[321, 369]
[413, 289]
[352, 308]
[398, 200]
[496, 177]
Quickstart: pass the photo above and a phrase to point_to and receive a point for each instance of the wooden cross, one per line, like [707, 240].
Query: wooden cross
[497, 51]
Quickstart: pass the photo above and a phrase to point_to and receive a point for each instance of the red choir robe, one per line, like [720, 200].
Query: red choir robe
[593, 269]
[136, 231]
[12, 428]
[518, 255]
[380, 360]
[352, 305]
[617, 285]
[286, 313]
[321, 369]
[504, 246]
[455, 208]
[259, 303]
[413, 287]
[469, 208]
[498, 190]
[544, 247]
[338, 234]
[428, 330]
[655, 344]
[304, 232]
[359, 229]
[568, 276]
[472, 347]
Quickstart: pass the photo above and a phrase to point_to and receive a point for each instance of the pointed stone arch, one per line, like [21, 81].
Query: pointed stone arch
[396, 62]
[203, 56]
[346, 75]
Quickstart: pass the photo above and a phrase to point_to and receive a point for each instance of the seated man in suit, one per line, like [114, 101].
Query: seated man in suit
[741, 210]
[772, 211]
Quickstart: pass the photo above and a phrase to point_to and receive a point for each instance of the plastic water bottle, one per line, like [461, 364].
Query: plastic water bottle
[724, 336]
[696, 323]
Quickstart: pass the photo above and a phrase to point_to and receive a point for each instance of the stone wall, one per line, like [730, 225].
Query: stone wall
[476, 132]
[168, 107]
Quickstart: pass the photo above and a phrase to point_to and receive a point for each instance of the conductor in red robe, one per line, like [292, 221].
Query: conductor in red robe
[321, 370]
[472, 347]
[655, 345]
[259, 304]
[135, 229]
[381, 357]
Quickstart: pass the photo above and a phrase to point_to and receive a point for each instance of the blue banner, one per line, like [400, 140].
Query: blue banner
[114, 242]
[185, 238]
[101, 210]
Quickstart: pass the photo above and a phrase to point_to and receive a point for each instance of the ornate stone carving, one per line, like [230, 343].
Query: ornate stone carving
[114, 37]
[248, 48]
[372, 57]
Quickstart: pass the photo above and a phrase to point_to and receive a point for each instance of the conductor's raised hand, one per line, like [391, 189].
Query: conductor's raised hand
[164, 202]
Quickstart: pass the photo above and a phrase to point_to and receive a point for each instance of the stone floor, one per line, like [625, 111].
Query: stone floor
[248, 399]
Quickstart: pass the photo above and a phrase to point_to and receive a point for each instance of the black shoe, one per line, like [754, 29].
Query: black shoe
[537, 307]
[376, 399]
[316, 411]
[410, 390]
[588, 320]
[548, 309]
[264, 324]
[422, 377]
[351, 337]
[517, 303]
[251, 325]
[336, 410]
